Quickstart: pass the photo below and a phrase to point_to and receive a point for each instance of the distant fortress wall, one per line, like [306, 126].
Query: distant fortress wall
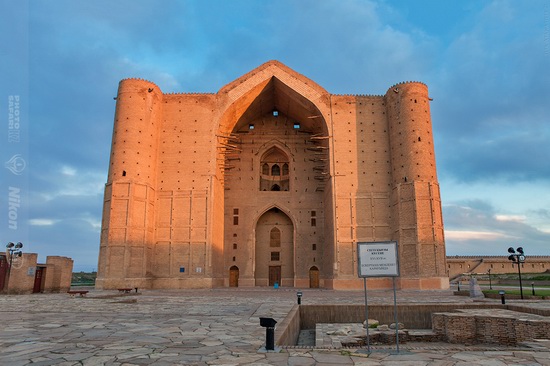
[457, 265]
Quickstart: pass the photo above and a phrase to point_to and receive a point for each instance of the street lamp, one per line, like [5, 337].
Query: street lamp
[12, 250]
[519, 258]
[490, 284]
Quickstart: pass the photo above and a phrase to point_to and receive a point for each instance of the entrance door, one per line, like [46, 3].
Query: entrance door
[38, 280]
[3, 271]
[234, 276]
[314, 277]
[274, 275]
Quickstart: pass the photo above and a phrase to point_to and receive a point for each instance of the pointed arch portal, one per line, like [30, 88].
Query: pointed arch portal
[274, 249]
[273, 150]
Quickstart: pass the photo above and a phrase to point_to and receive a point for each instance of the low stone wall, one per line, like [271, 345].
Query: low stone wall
[453, 323]
[354, 335]
[287, 332]
[494, 326]
[414, 316]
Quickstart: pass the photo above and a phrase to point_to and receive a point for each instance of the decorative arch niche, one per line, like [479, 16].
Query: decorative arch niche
[275, 170]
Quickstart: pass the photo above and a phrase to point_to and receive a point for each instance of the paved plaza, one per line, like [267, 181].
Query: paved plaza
[212, 327]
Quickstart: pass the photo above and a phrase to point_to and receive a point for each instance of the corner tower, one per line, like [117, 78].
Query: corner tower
[127, 233]
[417, 221]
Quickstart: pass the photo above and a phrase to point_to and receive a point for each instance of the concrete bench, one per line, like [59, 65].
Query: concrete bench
[77, 292]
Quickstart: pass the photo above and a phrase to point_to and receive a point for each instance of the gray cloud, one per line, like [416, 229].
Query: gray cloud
[475, 227]
[491, 113]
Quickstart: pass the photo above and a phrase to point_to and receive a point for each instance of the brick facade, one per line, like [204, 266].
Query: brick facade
[271, 179]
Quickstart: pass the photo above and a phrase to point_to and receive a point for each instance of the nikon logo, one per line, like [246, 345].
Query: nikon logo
[14, 202]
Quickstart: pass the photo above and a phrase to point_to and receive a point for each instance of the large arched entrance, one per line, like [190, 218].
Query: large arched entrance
[274, 249]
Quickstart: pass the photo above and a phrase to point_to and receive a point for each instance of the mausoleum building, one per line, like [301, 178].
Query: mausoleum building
[270, 180]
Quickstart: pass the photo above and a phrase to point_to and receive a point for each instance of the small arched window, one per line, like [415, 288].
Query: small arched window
[275, 170]
[275, 187]
[285, 169]
[275, 237]
[265, 169]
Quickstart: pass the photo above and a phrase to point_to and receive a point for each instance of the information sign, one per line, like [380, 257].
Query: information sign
[378, 259]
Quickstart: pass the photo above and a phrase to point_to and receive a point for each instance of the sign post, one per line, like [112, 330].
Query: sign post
[379, 259]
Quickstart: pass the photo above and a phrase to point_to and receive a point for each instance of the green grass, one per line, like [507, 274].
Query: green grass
[525, 285]
[539, 278]
[514, 276]
[83, 278]
[526, 292]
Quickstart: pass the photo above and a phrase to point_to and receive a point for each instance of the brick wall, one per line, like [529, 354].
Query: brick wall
[502, 327]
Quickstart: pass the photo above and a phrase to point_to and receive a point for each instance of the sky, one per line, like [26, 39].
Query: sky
[486, 63]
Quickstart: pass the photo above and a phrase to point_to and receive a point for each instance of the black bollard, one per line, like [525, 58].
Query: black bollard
[269, 324]
[270, 338]
[502, 299]
[299, 296]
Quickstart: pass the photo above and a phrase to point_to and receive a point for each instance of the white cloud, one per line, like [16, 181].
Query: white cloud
[73, 183]
[67, 170]
[516, 218]
[475, 235]
[95, 223]
[42, 222]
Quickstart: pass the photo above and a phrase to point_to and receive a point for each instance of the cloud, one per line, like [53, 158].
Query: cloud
[54, 182]
[71, 237]
[491, 91]
[462, 235]
[362, 52]
[514, 218]
[67, 170]
[476, 228]
[42, 222]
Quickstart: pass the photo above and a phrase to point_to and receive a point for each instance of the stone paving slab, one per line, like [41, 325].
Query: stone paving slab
[208, 327]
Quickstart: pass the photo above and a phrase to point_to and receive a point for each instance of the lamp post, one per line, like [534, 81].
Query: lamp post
[12, 250]
[490, 284]
[519, 258]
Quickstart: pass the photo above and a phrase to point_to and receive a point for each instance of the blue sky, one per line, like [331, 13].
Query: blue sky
[486, 64]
